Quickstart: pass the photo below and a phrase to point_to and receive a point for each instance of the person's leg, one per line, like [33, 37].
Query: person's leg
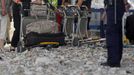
[102, 30]
[113, 39]
[88, 22]
[114, 34]
[16, 20]
[8, 30]
[3, 30]
[88, 28]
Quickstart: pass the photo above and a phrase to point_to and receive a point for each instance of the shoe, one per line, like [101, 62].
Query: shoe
[12, 48]
[110, 65]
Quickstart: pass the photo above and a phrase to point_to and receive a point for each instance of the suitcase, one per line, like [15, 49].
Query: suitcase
[34, 38]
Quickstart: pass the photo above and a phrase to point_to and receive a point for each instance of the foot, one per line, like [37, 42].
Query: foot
[110, 65]
[12, 48]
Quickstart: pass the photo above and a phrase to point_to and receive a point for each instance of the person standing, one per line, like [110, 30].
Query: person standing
[4, 17]
[17, 21]
[115, 10]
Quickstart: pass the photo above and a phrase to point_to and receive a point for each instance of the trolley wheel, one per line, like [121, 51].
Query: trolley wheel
[55, 46]
[48, 47]
[75, 41]
[20, 47]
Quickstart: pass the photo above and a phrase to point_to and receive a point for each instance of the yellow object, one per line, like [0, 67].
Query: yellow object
[125, 40]
[49, 43]
[53, 2]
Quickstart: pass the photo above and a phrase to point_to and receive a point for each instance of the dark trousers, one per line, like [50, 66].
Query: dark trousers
[114, 36]
[102, 29]
[88, 27]
[16, 20]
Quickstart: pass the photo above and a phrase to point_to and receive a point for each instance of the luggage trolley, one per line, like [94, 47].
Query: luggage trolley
[46, 10]
[81, 29]
[82, 24]
[95, 20]
[29, 19]
[69, 27]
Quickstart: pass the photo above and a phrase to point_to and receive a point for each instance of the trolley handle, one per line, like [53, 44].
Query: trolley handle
[21, 7]
[84, 7]
[31, 3]
[73, 6]
[61, 9]
[22, 10]
[37, 3]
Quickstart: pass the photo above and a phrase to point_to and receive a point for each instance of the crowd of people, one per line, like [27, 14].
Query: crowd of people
[114, 9]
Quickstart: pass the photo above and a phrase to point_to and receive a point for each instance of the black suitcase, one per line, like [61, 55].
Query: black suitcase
[34, 38]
